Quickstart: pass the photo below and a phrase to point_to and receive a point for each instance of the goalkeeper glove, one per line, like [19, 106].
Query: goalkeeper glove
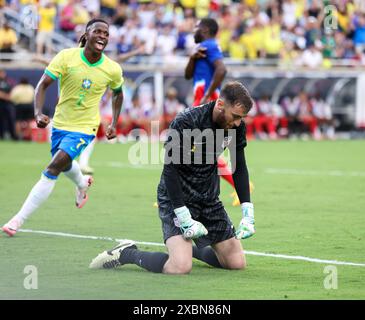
[246, 228]
[190, 228]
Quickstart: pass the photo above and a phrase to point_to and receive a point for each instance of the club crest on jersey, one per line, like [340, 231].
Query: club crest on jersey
[86, 84]
[226, 141]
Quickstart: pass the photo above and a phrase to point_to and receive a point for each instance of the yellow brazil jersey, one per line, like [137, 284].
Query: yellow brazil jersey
[82, 85]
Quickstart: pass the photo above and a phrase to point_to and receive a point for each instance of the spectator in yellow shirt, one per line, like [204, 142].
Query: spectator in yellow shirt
[22, 96]
[8, 39]
[236, 49]
[343, 18]
[272, 40]
[258, 36]
[47, 15]
[249, 43]
[224, 37]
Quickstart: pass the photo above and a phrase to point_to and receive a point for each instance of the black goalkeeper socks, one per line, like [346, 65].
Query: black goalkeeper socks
[155, 261]
[151, 261]
[207, 255]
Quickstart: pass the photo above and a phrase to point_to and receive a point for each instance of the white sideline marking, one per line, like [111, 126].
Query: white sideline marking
[254, 253]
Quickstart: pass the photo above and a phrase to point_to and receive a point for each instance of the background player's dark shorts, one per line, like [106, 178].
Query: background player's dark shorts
[212, 215]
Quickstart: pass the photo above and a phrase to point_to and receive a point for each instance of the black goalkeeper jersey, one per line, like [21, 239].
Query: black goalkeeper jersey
[193, 145]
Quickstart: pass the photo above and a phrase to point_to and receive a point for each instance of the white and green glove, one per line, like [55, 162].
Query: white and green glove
[246, 228]
[190, 228]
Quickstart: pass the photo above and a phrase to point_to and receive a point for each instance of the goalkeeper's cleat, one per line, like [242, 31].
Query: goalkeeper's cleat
[110, 259]
[12, 227]
[81, 195]
[87, 170]
[194, 230]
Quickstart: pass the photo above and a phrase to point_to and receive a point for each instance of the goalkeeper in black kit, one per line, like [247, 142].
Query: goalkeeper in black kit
[188, 192]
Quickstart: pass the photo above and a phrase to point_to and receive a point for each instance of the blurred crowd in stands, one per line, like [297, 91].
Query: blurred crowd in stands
[298, 116]
[310, 33]
[290, 33]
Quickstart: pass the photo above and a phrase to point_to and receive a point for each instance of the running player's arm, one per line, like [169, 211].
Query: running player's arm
[117, 101]
[218, 77]
[39, 96]
[54, 70]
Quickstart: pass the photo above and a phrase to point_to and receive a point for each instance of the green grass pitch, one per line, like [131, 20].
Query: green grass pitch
[309, 201]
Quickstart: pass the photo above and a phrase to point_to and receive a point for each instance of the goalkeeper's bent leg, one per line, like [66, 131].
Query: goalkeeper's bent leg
[207, 255]
[230, 253]
[151, 261]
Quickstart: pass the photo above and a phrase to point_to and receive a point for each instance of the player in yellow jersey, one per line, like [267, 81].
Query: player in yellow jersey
[84, 74]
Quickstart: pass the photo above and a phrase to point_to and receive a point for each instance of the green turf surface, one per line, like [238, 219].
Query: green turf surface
[309, 201]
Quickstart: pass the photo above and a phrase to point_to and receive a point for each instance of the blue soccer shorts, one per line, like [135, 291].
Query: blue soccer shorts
[73, 143]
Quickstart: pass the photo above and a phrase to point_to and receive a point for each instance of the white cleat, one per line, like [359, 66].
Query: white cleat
[81, 194]
[110, 259]
[12, 227]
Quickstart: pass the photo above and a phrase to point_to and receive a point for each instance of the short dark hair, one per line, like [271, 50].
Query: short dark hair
[211, 24]
[82, 41]
[235, 92]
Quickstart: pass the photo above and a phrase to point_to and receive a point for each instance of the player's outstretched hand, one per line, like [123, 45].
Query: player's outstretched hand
[111, 132]
[42, 120]
[245, 230]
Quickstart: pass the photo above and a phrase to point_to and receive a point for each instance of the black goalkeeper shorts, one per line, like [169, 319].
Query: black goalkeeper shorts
[212, 215]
